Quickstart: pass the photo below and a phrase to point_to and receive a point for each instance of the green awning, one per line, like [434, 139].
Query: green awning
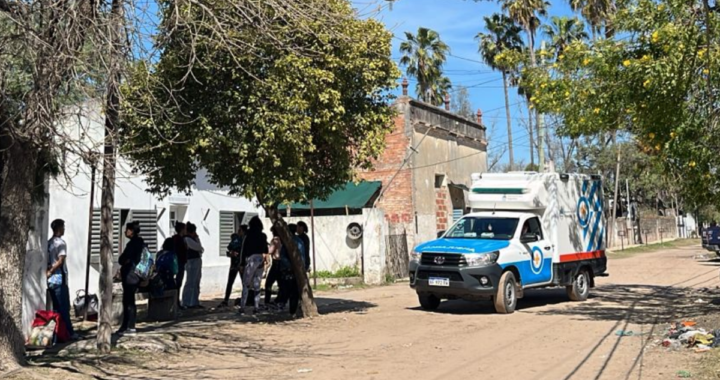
[351, 196]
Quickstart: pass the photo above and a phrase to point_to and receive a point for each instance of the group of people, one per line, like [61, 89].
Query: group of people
[251, 253]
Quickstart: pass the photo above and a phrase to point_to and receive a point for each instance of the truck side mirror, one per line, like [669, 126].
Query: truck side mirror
[440, 234]
[528, 238]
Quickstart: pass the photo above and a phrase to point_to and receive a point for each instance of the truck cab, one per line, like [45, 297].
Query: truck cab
[527, 230]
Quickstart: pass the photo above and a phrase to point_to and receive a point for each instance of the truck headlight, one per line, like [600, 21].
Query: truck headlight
[482, 259]
[415, 256]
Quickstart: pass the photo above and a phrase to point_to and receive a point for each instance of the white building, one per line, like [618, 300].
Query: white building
[216, 214]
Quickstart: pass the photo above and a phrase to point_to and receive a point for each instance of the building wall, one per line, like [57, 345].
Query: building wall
[333, 250]
[445, 144]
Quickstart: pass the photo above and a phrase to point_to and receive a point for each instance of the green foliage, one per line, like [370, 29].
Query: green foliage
[501, 40]
[289, 120]
[424, 54]
[343, 272]
[658, 82]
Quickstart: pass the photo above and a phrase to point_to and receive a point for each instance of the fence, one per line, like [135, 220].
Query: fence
[648, 230]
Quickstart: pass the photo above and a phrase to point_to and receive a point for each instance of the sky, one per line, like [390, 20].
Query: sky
[458, 22]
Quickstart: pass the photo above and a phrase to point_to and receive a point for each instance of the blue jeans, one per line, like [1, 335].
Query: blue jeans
[191, 292]
[60, 295]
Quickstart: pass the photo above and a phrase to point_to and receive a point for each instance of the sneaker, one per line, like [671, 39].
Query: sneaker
[223, 304]
[130, 332]
[241, 311]
[120, 332]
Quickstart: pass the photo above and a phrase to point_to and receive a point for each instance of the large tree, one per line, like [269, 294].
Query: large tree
[424, 55]
[658, 82]
[290, 120]
[461, 103]
[502, 36]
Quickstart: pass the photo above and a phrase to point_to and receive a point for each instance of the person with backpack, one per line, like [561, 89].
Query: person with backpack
[234, 251]
[128, 260]
[290, 291]
[166, 265]
[255, 249]
[57, 275]
[191, 291]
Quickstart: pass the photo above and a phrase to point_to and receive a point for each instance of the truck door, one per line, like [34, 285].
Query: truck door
[539, 253]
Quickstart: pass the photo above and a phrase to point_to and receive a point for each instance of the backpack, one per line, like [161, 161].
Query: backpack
[144, 267]
[167, 262]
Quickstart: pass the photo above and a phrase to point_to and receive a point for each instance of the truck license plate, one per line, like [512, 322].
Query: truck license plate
[436, 281]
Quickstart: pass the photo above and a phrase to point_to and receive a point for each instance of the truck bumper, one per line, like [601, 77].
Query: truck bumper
[470, 283]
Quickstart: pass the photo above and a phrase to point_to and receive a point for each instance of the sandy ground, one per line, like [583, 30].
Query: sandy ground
[380, 333]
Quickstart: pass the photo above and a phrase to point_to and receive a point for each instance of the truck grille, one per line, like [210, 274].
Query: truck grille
[453, 276]
[443, 259]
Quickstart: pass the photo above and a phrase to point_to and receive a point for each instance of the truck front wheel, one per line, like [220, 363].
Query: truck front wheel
[429, 302]
[506, 296]
[580, 288]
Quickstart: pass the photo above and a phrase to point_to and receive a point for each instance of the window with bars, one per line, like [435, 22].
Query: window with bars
[148, 231]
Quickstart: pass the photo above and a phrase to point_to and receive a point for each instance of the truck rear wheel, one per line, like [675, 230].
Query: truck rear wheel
[506, 296]
[429, 302]
[580, 288]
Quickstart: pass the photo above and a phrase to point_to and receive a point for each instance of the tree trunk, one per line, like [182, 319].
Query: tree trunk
[617, 187]
[308, 308]
[509, 121]
[20, 165]
[112, 118]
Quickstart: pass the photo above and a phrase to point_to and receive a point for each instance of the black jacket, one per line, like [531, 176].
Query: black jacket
[131, 256]
[255, 243]
[306, 253]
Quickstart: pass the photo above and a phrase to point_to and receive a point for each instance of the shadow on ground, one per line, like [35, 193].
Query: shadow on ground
[206, 332]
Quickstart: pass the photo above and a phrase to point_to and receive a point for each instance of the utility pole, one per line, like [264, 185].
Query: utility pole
[541, 128]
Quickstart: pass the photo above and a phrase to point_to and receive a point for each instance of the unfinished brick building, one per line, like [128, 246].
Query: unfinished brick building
[426, 167]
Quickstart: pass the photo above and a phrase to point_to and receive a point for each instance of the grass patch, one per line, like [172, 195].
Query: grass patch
[629, 252]
[343, 272]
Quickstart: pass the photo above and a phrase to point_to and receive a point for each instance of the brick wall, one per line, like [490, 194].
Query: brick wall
[396, 201]
[443, 215]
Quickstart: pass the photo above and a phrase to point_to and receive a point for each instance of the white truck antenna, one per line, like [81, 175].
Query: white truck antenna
[494, 207]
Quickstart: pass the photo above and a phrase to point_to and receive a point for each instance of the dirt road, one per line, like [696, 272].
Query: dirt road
[381, 333]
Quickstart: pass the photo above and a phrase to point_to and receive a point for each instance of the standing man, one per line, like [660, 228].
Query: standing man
[57, 275]
[234, 250]
[302, 230]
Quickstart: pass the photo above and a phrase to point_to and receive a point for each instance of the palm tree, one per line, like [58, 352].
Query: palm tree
[596, 12]
[564, 30]
[424, 55]
[526, 13]
[502, 35]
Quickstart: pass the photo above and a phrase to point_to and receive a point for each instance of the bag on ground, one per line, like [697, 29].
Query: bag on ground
[83, 302]
[44, 317]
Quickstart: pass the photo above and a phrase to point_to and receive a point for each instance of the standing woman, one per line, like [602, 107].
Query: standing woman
[256, 251]
[274, 273]
[193, 268]
[130, 281]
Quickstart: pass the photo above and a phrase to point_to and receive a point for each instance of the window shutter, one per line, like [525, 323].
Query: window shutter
[457, 214]
[95, 237]
[148, 227]
[227, 228]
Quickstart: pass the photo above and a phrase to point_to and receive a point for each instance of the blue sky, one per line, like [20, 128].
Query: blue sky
[458, 22]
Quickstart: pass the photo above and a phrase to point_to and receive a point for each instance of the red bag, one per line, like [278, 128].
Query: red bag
[42, 317]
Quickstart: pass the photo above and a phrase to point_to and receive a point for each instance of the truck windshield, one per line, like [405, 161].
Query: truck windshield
[479, 227]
